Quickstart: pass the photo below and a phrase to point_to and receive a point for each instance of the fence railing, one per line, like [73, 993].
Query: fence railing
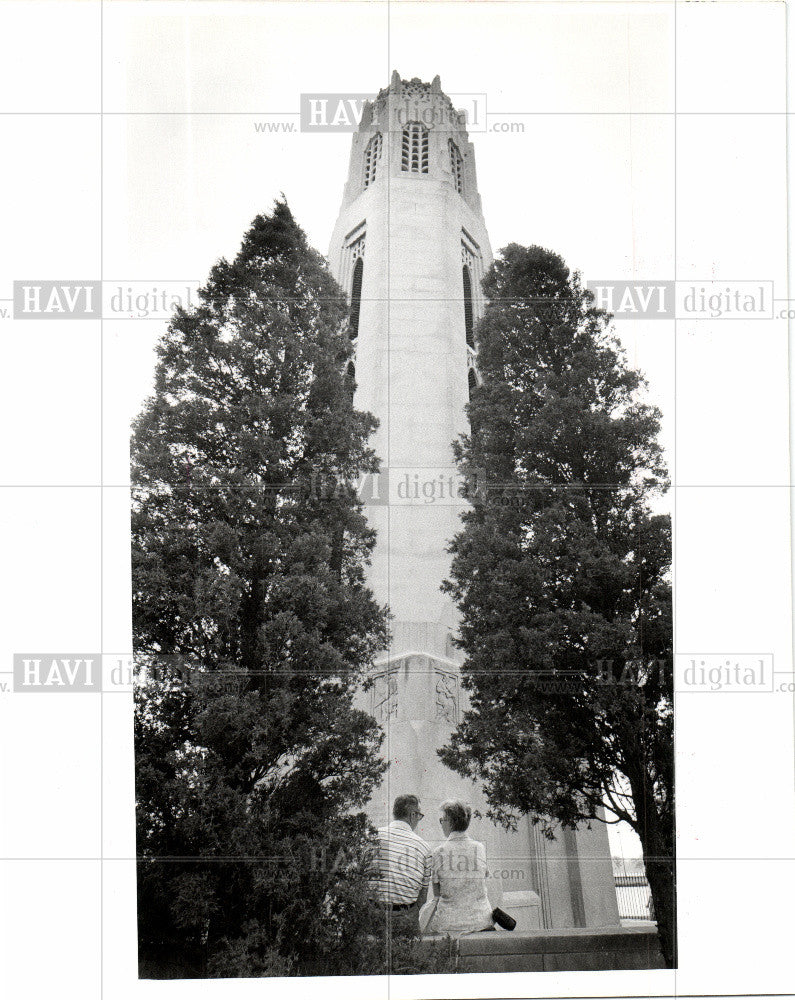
[634, 897]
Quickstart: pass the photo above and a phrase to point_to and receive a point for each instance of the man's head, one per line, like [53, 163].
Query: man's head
[407, 808]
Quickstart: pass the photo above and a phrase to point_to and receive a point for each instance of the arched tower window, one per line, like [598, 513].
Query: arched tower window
[473, 381]
[356, 297]
[456, 166]
[415, 148]
[468, 316]
[371, 157]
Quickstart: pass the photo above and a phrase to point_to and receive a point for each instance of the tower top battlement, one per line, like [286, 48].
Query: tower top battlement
[412, 131]
[420, 93]
[404, 101]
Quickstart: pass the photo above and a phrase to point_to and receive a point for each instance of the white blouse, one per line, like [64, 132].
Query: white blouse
[459, 869]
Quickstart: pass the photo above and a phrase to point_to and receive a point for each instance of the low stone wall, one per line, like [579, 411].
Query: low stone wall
[574, 950]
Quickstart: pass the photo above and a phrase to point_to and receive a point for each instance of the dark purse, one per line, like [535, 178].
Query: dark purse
[503, 919]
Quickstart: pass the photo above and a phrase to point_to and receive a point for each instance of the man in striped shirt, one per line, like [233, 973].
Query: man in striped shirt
[402, 868]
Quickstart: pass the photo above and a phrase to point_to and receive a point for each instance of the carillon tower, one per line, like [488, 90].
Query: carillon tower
[410, 247]
[409, 239]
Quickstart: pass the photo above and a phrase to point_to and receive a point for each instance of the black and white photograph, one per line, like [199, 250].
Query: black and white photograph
[413, 453]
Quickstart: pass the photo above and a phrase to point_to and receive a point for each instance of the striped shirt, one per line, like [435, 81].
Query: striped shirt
[402, 868]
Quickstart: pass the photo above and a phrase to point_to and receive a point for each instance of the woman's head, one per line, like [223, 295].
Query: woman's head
[455, 816]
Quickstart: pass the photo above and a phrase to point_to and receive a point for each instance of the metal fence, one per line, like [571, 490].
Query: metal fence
[634, 897]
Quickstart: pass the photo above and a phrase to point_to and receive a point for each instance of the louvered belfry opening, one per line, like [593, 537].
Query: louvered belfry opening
[414, 158]
[371, 157]
[456, 166]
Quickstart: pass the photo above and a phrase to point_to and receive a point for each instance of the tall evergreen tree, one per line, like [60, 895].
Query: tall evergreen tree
[248, 551]
[561, 573]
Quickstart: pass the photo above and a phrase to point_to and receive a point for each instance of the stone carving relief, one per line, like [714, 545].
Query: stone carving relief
[446, 697]
[385, 696]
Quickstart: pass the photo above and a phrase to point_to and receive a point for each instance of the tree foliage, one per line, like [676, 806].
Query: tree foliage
[253, 624]
[561, 572]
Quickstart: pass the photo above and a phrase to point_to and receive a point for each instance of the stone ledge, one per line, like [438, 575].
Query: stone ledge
[573, 950]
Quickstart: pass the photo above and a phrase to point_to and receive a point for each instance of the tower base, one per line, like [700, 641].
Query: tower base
[416, 696]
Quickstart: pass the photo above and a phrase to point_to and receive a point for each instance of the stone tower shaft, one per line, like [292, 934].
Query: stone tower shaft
[409, 228]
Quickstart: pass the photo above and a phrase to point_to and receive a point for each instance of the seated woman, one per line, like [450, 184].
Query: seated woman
[458, 877]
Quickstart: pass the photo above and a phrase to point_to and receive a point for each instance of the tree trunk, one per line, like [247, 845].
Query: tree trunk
[661, 873]
[659, 859]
